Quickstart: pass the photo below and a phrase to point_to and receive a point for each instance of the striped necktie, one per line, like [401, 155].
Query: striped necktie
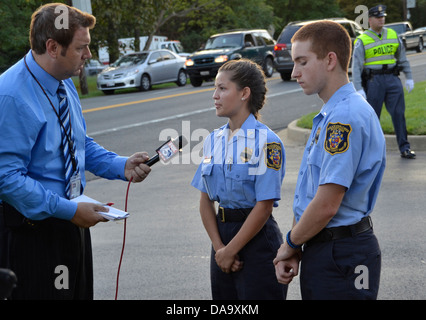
[68, 144]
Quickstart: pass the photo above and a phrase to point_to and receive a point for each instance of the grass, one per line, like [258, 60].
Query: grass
[415, 113]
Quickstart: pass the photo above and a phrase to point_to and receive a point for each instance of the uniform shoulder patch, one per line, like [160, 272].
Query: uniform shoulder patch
[337, 137]
[273, 155]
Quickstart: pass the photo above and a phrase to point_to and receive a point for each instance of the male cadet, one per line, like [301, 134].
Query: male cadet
[378, 57]
[339, 177]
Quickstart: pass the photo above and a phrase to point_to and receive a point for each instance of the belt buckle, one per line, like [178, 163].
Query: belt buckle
[222, 214]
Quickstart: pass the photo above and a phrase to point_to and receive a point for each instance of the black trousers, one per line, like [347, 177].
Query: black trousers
[387, 88]
[343, 269]
[52, 260]
[257, 279]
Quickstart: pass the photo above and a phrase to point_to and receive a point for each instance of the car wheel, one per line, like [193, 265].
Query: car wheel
[285, 76]
[268, 67]
[196, 82]
[108, 92]
[145, 83]
[181, 80]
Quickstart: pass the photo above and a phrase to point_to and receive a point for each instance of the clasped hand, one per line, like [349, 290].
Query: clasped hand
[228, 262]
[287, 263]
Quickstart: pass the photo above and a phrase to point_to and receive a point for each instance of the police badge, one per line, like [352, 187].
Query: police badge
[273, 155]
[337, 137]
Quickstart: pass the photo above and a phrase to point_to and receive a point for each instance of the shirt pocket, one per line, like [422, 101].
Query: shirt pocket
[208, 180]
[313, 171]
[241, 183]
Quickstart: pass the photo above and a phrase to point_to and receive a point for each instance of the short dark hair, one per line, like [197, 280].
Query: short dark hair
[246, 73]
[43, 26]
[327, 36]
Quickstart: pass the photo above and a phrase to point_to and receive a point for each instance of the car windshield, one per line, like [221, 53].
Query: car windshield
[130, 60]
[225, 41]
[399, 28]
[287, 34]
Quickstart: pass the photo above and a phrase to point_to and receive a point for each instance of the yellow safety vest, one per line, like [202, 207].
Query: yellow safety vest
[380, 51]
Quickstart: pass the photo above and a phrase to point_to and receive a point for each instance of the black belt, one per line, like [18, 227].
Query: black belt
[233, 215]
[384, 71]
[336, 233]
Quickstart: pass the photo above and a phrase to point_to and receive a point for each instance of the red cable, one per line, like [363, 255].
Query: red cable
[124, 238]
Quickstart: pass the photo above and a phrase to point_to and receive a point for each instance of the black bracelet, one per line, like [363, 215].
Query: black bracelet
[291, 244]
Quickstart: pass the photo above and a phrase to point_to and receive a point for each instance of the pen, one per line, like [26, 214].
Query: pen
[109, 204]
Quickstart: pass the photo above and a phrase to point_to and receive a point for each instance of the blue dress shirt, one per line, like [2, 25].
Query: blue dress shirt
[32, 170]
[250, 167]
[346, 147]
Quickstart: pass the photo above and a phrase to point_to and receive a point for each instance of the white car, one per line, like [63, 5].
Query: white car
[142, 70]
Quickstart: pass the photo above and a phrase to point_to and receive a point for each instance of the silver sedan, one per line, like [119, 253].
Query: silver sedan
[142, 70]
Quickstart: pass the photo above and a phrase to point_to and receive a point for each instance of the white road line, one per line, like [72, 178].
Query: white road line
[177, 116]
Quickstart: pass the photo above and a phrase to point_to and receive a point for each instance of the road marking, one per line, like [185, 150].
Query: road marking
[145, 100]
[173, 117]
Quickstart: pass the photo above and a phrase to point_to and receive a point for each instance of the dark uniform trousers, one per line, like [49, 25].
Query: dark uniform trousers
[256, 280]
[388, 88]
[52, 259]
[343, 269]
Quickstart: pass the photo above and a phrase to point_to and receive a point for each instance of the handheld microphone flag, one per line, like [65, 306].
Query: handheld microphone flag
[168, 150]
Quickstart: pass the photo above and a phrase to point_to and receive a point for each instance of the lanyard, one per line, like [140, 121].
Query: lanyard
[68, 135]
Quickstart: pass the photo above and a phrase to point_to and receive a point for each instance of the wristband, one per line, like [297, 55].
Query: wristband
[291, 244]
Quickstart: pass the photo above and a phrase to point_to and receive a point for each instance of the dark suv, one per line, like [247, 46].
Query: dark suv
[282, 50]
[256, 45]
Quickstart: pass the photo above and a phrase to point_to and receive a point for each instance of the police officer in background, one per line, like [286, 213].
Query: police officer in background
[378, 57]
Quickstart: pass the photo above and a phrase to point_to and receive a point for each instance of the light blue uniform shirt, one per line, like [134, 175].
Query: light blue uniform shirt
[248, 168]
[346, 147]
[32, 170]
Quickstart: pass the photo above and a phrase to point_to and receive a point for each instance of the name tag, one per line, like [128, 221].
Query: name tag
[75, 187]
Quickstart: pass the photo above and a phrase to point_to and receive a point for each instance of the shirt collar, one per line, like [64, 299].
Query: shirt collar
[49, 83]
[246, 129]
[340, 94]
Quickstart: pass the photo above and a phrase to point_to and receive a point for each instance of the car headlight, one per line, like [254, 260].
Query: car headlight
[221, 59]
[189, 63]
[132, 73]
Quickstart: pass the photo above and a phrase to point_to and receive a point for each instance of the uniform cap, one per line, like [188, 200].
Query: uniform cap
[377, 11]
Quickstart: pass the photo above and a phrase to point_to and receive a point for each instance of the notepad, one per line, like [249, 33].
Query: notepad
[112, 214]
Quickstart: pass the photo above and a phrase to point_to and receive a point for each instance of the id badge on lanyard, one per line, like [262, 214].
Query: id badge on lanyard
[75, 187]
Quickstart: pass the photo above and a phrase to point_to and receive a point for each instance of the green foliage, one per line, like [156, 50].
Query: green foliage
[15, 18]
[415, 113]
[190, 21]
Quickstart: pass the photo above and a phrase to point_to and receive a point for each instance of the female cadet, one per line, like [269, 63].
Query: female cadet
[242, 170]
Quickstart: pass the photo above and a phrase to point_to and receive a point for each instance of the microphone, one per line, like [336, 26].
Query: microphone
[168, 150]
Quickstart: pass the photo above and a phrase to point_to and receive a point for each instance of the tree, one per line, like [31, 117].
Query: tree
[15, 19]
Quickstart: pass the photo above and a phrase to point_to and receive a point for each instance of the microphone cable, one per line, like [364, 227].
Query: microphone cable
[124, 239]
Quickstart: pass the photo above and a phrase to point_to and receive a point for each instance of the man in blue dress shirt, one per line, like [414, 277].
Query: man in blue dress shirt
[339, 179]
[40, 228]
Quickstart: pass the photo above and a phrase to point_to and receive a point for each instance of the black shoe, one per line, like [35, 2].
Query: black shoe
[408, 154]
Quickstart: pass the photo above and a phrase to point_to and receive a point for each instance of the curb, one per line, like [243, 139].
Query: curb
[300, 136]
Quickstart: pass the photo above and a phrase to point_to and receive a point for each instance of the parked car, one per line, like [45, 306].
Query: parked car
[175, 46]
[256, 45]
[142, 70]
[412, 40]
[282, 50]
[93, 67]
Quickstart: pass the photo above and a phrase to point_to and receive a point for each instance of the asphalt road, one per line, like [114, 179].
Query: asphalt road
[167, 250]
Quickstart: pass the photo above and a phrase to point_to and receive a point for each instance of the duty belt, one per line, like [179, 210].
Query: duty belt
[233, 215]
[335, 233]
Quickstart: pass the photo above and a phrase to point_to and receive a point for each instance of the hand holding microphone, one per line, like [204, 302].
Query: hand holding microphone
[138, 165]
[136, 169]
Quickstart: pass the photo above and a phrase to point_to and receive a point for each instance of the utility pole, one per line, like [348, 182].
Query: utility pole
[85, 6]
